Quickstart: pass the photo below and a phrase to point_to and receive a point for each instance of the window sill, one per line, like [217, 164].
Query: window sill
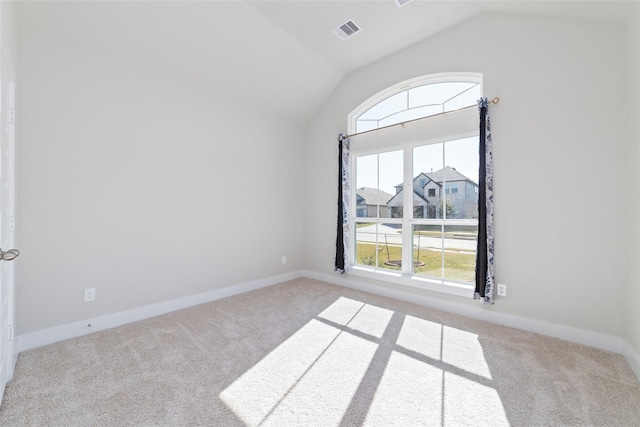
[451, 288]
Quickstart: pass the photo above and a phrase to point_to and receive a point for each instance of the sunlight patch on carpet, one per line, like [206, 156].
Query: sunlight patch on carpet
[361, 317]
[422, 336]
[260, 389]
[463, 350]
[467, 402]
[326, 373]
[325, 392]
[409, 390]
[342, 310]
[318, 360]
[450, 345]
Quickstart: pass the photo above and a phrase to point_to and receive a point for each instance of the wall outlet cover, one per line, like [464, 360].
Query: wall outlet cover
[502, 290]
[89, 294]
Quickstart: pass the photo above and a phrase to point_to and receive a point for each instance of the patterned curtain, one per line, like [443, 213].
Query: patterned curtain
[342, 239]
[485, 282]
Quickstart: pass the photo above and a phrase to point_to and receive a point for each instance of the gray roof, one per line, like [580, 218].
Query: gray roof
[418, 200]
[371, 196]
[447, 174]
[451, 174]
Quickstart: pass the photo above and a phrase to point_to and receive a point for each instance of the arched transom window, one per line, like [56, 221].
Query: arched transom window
[420, 101]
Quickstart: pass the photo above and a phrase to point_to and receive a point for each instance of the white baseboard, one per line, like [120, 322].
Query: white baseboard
[563, 332]
[632, 358]
[72, 330]
[14, 358]
[566, 333]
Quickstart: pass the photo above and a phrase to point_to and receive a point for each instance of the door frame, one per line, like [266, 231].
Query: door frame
[8, 349]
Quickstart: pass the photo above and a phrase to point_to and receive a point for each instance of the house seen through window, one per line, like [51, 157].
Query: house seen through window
[416, 201]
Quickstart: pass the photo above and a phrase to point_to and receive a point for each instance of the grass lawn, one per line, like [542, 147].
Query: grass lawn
[468, 235]
[364, 224]
[457, 266]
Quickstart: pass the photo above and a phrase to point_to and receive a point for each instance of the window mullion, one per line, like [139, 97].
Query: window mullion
[378, 242]
[377, 252]
[407, 217]
[353, 210]
[444, 206]
[378, 186]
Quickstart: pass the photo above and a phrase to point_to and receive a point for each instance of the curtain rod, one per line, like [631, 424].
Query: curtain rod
[491, 101]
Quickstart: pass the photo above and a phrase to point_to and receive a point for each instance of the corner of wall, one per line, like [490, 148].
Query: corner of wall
[632, 297]
[632, 357]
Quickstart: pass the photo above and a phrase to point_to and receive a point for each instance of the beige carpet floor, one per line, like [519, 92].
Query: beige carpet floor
[306, 353]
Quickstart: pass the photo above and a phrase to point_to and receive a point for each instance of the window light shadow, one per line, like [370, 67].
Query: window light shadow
[356, 363]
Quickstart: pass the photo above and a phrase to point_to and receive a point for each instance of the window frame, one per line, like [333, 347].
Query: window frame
[400, 137]
[352, 118]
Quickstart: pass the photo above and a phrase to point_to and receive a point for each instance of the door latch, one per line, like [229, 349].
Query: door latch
[9, 255]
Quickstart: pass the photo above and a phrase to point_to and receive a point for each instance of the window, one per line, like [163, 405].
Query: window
[444, 247]
[375, 233]
[427, 236]
[423, 100]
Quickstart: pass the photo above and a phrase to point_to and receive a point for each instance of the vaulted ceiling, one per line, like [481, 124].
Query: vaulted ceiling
[279, 57]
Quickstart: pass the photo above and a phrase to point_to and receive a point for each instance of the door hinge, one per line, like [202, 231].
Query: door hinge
[12, 116]
[12, 223]
[10, 332]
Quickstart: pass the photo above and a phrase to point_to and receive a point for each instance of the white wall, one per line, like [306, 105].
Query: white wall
[9, 30]
[142, 189]
[559, 150]
[128, 183]
[632, 319]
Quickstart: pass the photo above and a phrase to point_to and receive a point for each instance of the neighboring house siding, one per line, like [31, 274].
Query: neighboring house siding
[367, 200]
[461, 194]
[471, 204]
[371, 211]
[395, 204]
[456, 195]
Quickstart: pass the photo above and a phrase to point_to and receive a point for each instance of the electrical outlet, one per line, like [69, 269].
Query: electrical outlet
[284, 259]
[502, 289]
[89, 294]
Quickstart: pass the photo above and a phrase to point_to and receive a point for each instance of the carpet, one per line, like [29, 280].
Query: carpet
[307, 353]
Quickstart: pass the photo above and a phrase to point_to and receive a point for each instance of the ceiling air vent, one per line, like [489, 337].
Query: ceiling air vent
[401, 3]
[346, 30]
